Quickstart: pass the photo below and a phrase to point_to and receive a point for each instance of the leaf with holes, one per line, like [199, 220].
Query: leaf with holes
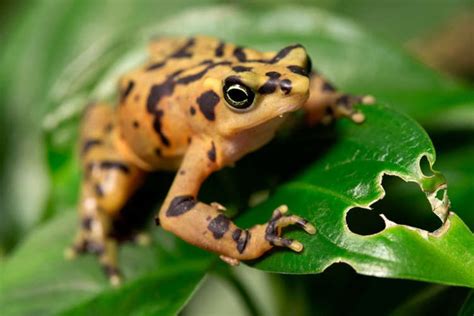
[349, 175]
[347, 171]
[336, 173]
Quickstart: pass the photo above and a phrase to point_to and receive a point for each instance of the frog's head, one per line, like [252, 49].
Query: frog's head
[258, 93]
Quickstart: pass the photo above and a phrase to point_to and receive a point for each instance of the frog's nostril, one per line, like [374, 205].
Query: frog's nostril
[286, 85]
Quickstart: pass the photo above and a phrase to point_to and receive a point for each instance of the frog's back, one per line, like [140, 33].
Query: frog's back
[201, 48]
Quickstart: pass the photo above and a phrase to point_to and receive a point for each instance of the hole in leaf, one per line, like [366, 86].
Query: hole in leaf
[440, 194]
[404, 203]
[425, 166]
[364, 222]
[340, 270]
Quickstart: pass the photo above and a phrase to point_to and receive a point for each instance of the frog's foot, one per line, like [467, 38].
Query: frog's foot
[344, 106]
[104, 248]
[280, 220]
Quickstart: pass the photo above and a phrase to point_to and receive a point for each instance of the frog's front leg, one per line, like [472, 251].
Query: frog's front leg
[205, 226]
[326, 103]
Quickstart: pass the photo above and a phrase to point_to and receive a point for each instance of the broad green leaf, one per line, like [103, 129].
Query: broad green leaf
[348, 172]
[355, 156]
[349, 175]
[38, 280]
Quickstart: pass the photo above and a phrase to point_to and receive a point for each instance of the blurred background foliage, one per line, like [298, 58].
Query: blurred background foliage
[40, 38]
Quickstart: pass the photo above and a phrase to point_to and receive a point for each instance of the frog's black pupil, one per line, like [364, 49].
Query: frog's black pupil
[237, 95]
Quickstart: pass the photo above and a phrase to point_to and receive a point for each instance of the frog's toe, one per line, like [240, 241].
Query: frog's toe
[367, 99]
[70, 253]
[280, 220]
[286, 242]
[114, 275]
[142, 239]
[357, 117]
[279, 211]
[115, 280]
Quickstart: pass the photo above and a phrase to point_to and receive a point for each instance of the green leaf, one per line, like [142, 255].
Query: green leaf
[349, 175]
[38, 280]
[387, 143]
[335, 174]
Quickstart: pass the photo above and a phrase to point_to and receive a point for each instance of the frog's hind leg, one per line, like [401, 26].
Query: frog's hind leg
[108, 183]
[326, 103]
[93, 235]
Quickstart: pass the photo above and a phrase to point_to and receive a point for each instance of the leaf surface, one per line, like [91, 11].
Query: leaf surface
[38, 280]
[320, 176]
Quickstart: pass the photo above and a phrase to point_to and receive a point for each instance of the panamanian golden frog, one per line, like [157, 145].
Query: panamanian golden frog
[199, 104]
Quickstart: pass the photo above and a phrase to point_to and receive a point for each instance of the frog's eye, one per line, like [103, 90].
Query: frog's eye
[238, 96]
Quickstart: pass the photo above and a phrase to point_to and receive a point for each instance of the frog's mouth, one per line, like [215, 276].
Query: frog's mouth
[288, 109]
[278, 117]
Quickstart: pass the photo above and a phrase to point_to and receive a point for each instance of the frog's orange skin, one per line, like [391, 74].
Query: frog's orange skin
[173, 116]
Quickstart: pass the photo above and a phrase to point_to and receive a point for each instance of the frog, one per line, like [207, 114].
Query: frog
[198, 104]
